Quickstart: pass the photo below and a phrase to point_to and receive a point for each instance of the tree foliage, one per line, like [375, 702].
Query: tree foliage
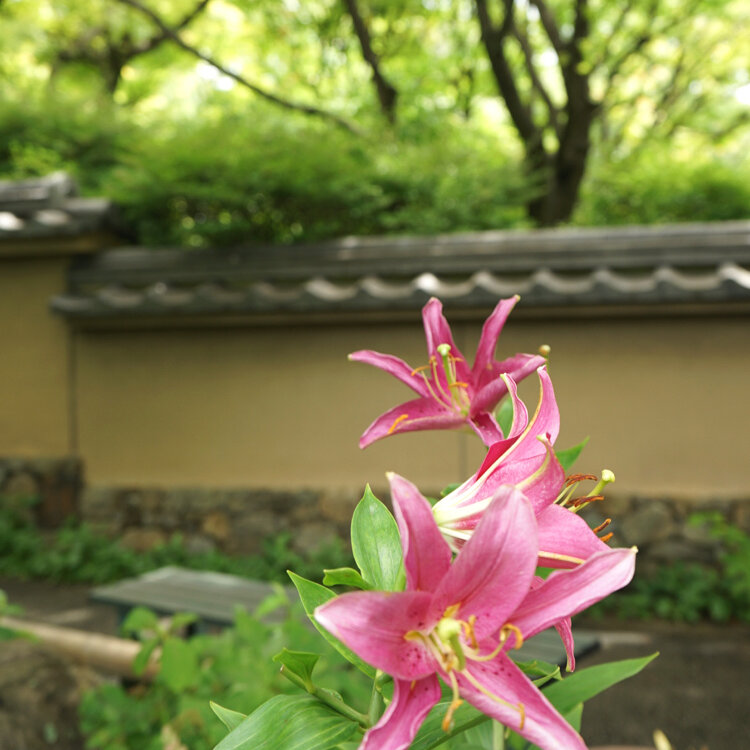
[219, 121]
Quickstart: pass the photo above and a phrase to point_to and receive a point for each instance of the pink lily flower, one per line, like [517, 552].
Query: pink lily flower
[450, 394]
[526, 460]
[456, 620]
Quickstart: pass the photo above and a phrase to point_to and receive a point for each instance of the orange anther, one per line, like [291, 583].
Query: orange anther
[602, 526]
[396, 422]
[575, 478]
[607, 537]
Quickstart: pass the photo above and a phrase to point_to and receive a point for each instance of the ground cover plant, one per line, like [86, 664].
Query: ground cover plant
[77, 554]
[692, 591]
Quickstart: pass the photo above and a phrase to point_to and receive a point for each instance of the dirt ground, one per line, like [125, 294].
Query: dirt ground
[697, 691]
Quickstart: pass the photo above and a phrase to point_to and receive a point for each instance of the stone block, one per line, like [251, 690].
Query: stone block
[312, 537]
[216, 525]
[142, 540]
[198, 544]
[651, 523]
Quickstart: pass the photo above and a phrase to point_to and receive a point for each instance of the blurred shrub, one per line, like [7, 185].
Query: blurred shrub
[76, 554]
[653, 187]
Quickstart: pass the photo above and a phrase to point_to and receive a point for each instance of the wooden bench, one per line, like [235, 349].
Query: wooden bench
[213, 597]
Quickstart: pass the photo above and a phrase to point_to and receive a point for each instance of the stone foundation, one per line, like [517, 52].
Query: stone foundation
[47, 489]
[234, 521]
[661, 529]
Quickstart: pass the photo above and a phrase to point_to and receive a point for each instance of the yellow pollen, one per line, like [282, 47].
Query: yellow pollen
[396, 422]
[509, 628]
[450, 611]
[447, 723]
[469, 630]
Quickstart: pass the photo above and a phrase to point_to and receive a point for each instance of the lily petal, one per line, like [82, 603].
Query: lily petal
[566, 535]
[490, 388]
[419, 414]
[373, 624]
[437, 331]
[412, 701]
[545, 422]
[494, 569]
[491, 330]
[486, 426]
[393, 366]
[567, 592]
[427, 555]
[539, 723]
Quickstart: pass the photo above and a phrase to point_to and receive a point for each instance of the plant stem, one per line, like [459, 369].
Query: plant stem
[376, 700]
[327, 697]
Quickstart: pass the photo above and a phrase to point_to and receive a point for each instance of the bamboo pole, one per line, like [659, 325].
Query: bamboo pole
[104, 652]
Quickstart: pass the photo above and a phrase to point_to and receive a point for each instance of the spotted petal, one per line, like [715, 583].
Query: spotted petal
[538, 721]
[566, 537]
[412, 701]
[494, 570]
[373, 624]
[567, 592]
[427, 556]
[419, 414]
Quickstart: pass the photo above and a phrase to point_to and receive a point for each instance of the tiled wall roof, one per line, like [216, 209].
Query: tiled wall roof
[576, 270]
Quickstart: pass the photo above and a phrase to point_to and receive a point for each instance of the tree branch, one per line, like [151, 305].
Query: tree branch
[387, 93]
[536, 81]
[550, 26]
[157, 39]
[493, 39]
[269, 96]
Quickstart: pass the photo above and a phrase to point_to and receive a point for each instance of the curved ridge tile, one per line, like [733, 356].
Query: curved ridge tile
[489, 282]
[625, 284]
[329, 291]
[735, 273]
[118, 297]
[706, 282]
[376, 287]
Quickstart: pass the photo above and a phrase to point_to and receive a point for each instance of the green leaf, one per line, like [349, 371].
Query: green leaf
[582, 685]
[345, 577]
[575, 716]
[179, 665]
[431, 732]
[230, 719]
[539, 672]
[504, 415]
[181, 620]
[569, 456]
[290, 722]
[375, 542]
[300, 663]
[139, 619]
[140, 662]
[313, 595]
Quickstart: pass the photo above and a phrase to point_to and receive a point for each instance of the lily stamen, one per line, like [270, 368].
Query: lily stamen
[516, 706]
[447, 723]
[602, 526]
[397, 422]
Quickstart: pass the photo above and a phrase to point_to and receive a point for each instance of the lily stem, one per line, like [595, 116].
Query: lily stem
[376, 700]
[328, 697]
